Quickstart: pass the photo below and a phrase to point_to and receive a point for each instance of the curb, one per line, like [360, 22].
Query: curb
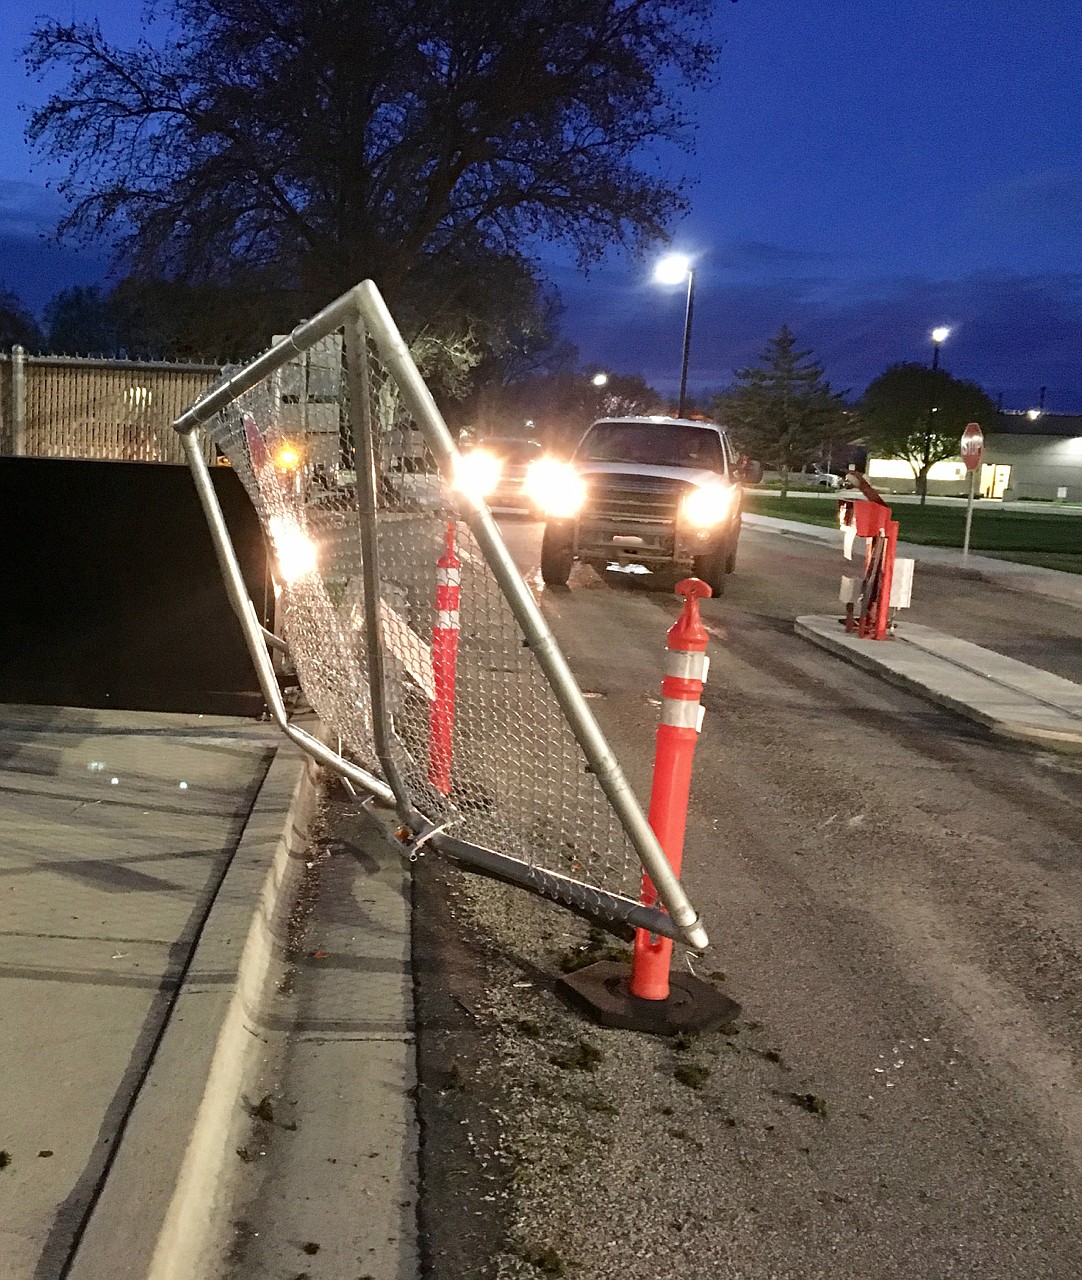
[1014, 730]
[158, 1214]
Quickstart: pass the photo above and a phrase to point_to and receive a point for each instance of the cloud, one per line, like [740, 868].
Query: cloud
[1047, 202]
[759, 254]
[27, 210]
[1012, 333]
[32, 263]
[36, 269]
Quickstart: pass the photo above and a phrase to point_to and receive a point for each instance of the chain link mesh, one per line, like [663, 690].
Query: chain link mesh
[519, 782]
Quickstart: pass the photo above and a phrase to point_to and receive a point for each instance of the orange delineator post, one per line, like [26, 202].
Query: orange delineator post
[681, 719]
[441, 719]
[886, 578]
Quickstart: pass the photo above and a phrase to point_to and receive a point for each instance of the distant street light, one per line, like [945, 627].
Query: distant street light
[600, 379]
[939, 335]
[674, 269]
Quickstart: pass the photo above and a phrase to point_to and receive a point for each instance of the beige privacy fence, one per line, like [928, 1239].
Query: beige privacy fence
[413, 634]
[72, 407]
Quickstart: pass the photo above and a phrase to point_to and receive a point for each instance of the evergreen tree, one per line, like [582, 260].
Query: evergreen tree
[782, 410]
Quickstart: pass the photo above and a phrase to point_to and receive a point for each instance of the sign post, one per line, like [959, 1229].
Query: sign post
[972, 453]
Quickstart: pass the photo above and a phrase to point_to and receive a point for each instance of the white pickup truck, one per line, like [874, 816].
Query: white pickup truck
[661, 493]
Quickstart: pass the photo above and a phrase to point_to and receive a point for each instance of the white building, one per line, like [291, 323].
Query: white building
[1026, 455]
[1041, 455]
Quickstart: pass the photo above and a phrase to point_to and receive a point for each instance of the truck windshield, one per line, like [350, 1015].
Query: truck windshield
[654, 444]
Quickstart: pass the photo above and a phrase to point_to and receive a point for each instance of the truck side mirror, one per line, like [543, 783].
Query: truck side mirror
[749, 471]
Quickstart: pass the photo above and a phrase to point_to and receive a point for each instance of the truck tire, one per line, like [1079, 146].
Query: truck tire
[557, 555]
[711, 569]
[730, 559]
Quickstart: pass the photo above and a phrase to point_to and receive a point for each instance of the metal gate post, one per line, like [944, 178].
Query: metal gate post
[360, 408]
[254, 635]
[18, 402]
[886, 579]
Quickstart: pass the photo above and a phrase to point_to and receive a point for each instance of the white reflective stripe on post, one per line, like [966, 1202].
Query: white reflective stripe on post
[447, 619]
[686, 666]
[682, 714]
[448, 577]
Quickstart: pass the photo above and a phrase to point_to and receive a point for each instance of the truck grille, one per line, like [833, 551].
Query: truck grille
[623, 499]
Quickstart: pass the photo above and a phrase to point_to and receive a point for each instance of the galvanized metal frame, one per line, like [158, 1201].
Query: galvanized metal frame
[367, 484]
[359, 310]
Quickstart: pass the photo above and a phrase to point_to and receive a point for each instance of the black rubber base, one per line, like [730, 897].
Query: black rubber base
[693, 1005]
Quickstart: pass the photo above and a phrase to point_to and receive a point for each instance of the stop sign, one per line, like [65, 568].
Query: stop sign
[972, 446]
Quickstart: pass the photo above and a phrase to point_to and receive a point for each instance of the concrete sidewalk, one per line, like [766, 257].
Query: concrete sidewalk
[143, 859]
[1012, 699]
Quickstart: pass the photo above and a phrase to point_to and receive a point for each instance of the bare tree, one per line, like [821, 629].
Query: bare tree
[324, 141]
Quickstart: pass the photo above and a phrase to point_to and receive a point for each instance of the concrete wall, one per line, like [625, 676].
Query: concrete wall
[1039, 464]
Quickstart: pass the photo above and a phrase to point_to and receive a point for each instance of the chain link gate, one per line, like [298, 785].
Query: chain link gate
[479, 737]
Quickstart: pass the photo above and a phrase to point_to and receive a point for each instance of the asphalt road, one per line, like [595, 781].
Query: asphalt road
[896, 901]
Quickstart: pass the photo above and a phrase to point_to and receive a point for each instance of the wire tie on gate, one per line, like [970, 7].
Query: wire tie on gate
[415, 847]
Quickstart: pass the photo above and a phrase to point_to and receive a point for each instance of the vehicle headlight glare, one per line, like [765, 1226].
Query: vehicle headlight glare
[707, 506]
[477, 473]
[556, 487]
[293, 548]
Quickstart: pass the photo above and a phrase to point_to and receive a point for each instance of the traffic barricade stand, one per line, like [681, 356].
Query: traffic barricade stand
[871, 519]
[441, 719]
[651, 997]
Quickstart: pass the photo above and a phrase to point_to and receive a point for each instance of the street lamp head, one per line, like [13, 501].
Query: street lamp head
[673, 269]
[941, 334]
[600, 379]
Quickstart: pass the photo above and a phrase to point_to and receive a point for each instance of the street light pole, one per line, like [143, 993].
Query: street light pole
[674, 270]
[939, 335]
[687, 343]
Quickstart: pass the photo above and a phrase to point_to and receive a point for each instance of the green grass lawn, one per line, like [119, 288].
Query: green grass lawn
[1052, 540]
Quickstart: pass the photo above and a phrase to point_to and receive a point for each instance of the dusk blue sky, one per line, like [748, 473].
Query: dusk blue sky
[863, 171]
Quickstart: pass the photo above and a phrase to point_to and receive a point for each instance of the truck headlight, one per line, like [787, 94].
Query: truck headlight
[556, 487]
[477, 473]
[705, 507]
[293, 549]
